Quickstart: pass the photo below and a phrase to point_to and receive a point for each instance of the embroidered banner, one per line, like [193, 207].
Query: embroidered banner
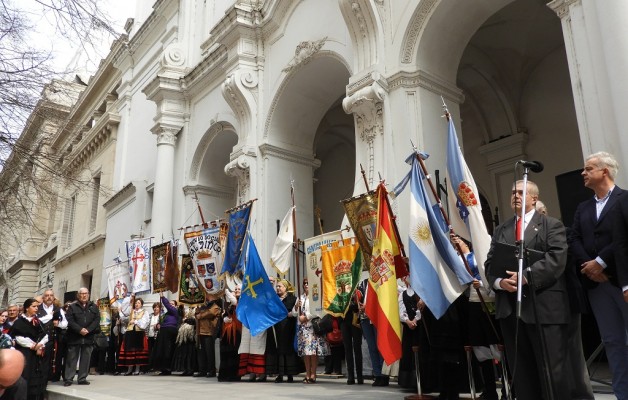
[105, 315]
[342, 265]
[189, 292]
[362, 215]
[118, 282]
[205, 248]
[138, 252]
[314, 269]
[172, 269]
[162, 256]
[238, 223]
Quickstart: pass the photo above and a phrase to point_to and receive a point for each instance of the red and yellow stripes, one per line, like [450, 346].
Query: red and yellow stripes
[381, 304]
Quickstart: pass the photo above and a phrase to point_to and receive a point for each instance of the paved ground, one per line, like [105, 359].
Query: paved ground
[108, 387]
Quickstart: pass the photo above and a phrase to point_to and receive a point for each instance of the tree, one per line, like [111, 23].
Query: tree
[34, 101]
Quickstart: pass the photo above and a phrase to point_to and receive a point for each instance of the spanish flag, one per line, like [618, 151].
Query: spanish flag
[381, 299]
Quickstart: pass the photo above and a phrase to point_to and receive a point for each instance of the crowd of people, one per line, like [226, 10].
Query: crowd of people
[480, 335]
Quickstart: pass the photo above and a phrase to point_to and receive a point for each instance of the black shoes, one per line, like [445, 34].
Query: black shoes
[165, 372]
[279, 379]
[83, 383]
[67, 383]
[381, 380]
[350, 381]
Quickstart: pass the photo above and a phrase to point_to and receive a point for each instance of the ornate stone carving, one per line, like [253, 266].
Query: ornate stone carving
[304, 52]
[366, 104]
[416, 26]
[240, 169]
[173, 56]
[359, 16]
[167, 136]
[561, 7]
[230, 94]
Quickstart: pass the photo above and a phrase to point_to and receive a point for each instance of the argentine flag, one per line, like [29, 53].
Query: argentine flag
[437, 272]
[464, 202]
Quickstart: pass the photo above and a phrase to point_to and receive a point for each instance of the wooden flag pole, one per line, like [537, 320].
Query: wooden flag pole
[451, 232]
[295, 241]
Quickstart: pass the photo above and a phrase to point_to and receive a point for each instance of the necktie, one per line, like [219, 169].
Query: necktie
[519, 228]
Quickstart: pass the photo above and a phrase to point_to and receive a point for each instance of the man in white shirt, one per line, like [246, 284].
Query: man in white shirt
[53, 319]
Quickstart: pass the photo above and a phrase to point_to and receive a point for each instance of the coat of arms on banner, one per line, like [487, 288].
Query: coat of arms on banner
[314, 269]
[362, 214]
[189, 291]
[118, 282]
[342, 265]
[205, 248]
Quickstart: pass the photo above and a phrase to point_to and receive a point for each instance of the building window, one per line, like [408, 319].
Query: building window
[95, 196]
[68, 221]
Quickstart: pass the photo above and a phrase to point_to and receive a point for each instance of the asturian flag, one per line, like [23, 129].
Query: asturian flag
[259, 307]
[281, 256]
[437, 272]
[382, 307]
[464, 198]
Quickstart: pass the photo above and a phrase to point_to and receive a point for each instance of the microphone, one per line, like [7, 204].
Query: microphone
[535, 166]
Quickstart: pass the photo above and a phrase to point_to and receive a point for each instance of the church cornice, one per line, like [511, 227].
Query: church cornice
[561, 7]
[405, 79]
[220, 192]
[209, 70]
[269, 150]
[120, 197]
[93, 141]
[89, 245]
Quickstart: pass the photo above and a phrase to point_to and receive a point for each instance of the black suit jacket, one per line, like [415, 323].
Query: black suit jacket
[620, 236]
[544, 234]
[592, 237]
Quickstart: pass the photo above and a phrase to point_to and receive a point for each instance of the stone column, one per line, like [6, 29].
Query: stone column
[161, 219]
[596, 41]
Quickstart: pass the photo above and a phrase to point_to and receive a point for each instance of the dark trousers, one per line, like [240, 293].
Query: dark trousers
[352, 341]
[84, 351]
[207, 355]
[333, 362]
[525, 358]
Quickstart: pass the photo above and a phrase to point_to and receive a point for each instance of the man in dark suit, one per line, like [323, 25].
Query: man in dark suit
[591, 244]
[546, 278]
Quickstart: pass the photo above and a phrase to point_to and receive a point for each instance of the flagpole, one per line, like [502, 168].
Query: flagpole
[451, 232]
[366, 182]
[295, 242]
[198, 205]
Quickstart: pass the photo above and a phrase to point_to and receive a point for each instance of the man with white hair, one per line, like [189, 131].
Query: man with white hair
[54, 321]
[83, 322]
[593, 245]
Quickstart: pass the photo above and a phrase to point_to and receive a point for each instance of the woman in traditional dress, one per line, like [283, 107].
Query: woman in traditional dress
[231, 336]
[161, 357]
[185, 356]
[153, 327]
[31, 338]
[309, 345]
[134, 351]
[282, 334]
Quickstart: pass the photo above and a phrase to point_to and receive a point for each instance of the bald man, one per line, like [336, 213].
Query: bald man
[12, 385]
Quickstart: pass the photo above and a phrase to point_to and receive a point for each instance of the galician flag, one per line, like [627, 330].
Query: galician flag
[437, 272]
[381, 306]
[281, 256]
[464, 202]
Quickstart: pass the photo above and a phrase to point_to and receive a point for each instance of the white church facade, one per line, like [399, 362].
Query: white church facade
[228, 101]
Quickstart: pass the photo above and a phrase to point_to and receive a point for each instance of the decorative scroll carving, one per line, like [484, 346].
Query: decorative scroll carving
[366, 104]
[173, 56]
[240, 169]
[304, 52]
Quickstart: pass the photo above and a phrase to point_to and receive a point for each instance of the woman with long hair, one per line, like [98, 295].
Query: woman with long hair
[31, 338]
[134, 351]
[310, 346]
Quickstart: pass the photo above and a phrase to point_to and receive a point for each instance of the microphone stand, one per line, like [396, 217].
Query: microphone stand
[521, 253]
